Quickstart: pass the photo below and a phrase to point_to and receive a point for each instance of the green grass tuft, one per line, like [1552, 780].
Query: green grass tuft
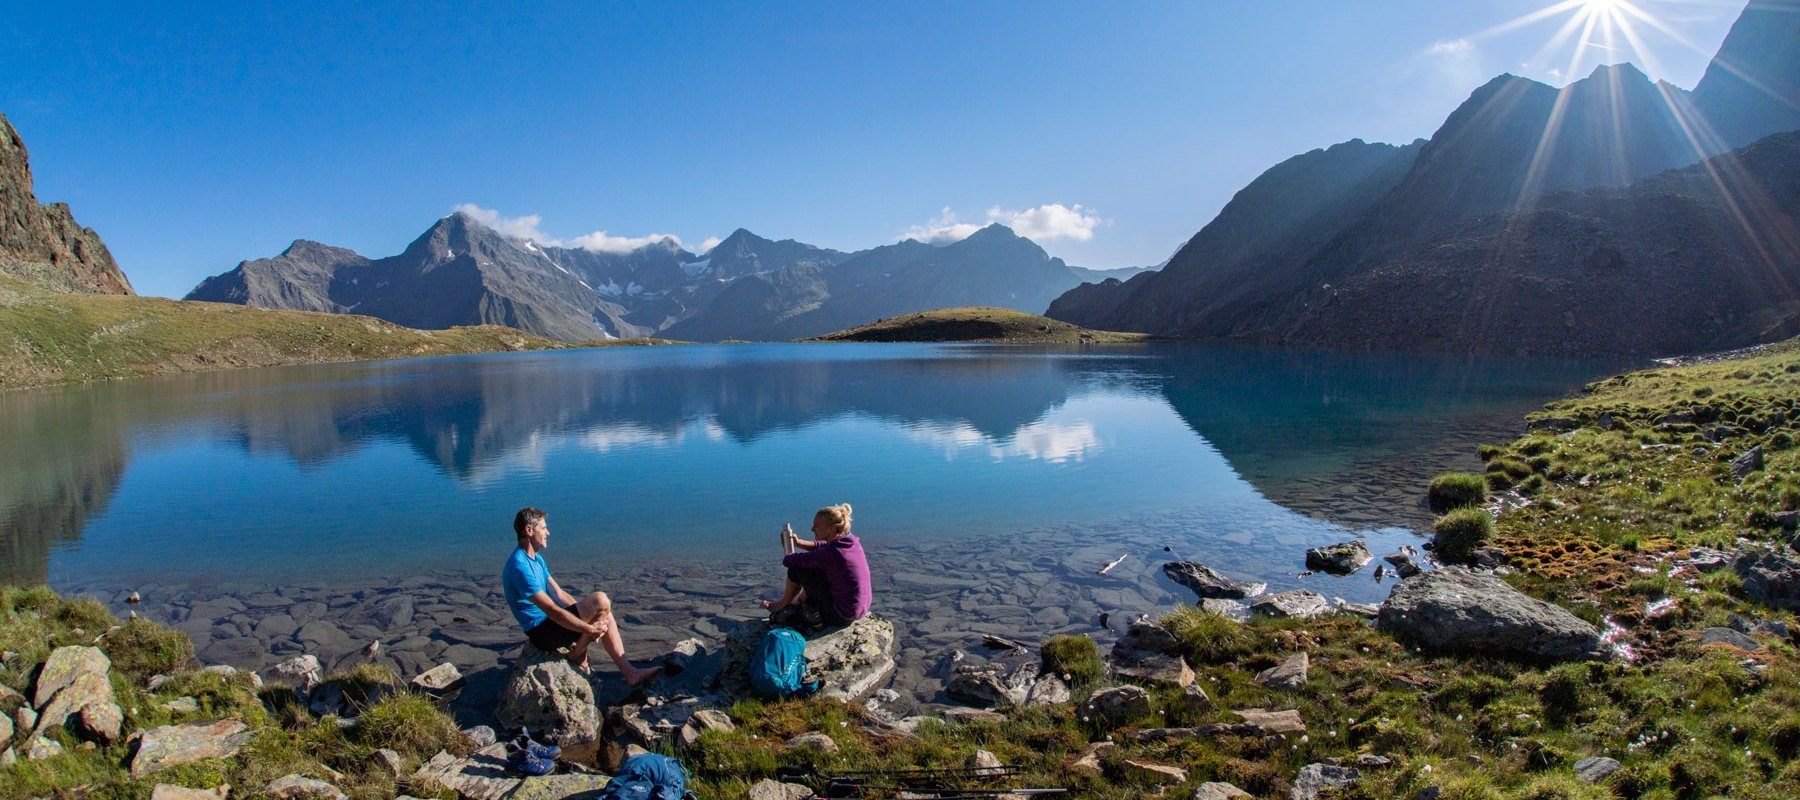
[1460, 532]
[1455, 490]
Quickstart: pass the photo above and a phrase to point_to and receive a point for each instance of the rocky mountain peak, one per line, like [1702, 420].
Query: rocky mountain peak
[42, 243]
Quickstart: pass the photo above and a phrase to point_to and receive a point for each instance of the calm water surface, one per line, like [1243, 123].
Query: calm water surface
[381, 470]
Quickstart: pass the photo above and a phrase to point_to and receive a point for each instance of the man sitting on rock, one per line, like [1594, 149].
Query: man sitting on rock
[552, 618]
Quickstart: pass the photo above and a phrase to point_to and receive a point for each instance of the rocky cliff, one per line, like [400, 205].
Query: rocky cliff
[41, 243]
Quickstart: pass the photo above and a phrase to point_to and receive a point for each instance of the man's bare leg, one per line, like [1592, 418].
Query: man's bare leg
[591, 609]
[610, 641]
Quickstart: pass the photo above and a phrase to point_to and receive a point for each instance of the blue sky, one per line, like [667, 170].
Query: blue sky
[194, 137]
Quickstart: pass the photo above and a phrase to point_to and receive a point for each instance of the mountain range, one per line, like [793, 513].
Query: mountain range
[461, 272]
[1534, 219]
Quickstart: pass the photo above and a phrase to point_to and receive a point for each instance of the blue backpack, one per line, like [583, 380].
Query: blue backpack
[778, 669]
[648, 776]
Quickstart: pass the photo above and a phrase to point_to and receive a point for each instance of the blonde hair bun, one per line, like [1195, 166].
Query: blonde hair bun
[838, 516]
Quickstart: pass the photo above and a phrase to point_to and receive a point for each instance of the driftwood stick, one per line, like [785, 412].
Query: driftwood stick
[1109, 567]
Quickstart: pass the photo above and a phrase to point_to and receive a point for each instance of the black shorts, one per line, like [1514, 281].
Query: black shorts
[818, 594]
[549, 636]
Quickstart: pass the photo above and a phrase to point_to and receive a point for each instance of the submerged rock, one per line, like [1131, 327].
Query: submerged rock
[1208, 583]
[1455, 610]
[1343, 558]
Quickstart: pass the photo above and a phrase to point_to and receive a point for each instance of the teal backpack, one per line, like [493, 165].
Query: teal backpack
[778, 669]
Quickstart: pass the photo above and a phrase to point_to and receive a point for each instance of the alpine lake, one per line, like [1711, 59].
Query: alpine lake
[272, 512]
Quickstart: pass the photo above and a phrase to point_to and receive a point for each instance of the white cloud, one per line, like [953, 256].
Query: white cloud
[601, 242]
[525, 227]
[943, 228]
[1044, 223]
[709, 243]
[1455, 48]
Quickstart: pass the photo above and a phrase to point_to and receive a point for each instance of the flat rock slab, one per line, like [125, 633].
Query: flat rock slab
[1155, 773]
[64, 667]
[1218, 791]
[300, 787]
[481, 776]
[1315, 779]
[170, 745]
[1771, 578]
[1455, 610]
[572, 786]
[1271, 722]
[169, 791]
[1595, 769]
[1728, 638]
[766, 789]
[1291, 604]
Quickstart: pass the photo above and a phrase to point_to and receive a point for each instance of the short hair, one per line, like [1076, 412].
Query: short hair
[526, 518]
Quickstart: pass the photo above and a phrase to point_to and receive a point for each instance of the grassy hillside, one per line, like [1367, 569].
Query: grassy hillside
[51, 337]
[977, 324]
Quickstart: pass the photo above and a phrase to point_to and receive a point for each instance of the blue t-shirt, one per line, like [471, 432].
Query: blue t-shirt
[524, 576]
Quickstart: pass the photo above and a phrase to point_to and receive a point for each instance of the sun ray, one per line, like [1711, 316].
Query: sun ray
[1529, 18]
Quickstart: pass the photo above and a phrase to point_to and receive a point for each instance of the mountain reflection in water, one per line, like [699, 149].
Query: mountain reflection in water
[651, 451]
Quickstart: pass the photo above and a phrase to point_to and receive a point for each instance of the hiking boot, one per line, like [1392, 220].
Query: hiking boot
[523, 742]
[524, 762]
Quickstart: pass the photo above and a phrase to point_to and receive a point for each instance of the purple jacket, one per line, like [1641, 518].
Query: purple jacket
[845, 569]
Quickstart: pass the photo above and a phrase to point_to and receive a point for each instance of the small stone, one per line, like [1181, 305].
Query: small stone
[64, 667]
[1750, 461]
[1289, 675]
[480, 736]
[300, 787]
[1316, 778]
[40, 748]
[102, 722]
[985, 763]
[814, 741]
[6, 729]
[1218, 791]
[766, 789]
[182, 705]
[1156, 773]
[1089, 757]
[439, 681]
[1194, 699]
[25, 719]
[389, 762]
[1595, 769]
[1371, 761]
[7, 758]
[301, 672]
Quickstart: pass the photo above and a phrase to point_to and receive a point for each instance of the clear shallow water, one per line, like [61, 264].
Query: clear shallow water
[643, 456]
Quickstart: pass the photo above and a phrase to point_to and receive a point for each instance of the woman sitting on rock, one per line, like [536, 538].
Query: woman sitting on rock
[828, 578]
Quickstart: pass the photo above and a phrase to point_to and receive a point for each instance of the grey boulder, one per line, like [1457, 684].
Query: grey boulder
[1455, 610]
[545, 694]
[1291, 604]
[1771, 578]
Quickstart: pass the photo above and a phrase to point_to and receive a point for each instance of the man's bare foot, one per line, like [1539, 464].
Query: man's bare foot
[638, 676]
[773, 605]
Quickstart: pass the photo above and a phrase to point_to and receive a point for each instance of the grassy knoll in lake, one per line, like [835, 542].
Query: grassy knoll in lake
[49, 337]
[1598, 506]
[977, 324]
